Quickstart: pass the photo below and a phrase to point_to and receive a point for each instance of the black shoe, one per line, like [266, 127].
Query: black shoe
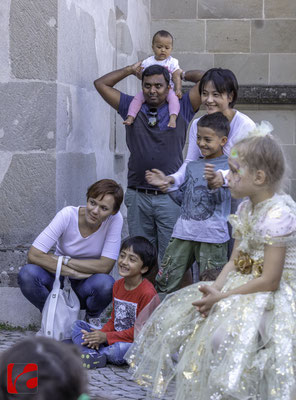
[93, 360]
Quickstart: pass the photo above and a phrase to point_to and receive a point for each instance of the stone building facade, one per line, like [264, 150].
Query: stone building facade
[57, 135]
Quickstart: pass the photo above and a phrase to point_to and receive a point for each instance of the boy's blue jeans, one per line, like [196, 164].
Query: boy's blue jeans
[114, 353]
[94, 293]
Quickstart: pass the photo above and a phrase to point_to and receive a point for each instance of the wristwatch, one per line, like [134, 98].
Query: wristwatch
[66, 259]
[183, 75]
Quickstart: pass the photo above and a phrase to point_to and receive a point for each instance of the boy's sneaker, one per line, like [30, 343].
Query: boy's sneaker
[93, 360]
[94, 321]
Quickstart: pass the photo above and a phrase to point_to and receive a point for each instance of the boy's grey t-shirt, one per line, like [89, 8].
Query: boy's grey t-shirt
[204, 212]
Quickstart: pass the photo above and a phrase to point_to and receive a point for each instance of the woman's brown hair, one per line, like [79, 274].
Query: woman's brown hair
[106, 186]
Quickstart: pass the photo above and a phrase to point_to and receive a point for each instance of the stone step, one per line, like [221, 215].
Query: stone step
[16, 310]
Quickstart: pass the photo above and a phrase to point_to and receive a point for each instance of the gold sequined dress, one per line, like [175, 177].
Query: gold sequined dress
[245, 348]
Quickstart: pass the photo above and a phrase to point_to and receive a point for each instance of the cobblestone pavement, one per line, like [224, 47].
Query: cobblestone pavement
[109, 383]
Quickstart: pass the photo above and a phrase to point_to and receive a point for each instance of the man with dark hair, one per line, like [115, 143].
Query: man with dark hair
[152, 144]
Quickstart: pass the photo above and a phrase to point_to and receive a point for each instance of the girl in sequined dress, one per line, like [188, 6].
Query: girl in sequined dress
[234, 338]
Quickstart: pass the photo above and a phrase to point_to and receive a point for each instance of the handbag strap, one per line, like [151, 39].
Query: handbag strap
[53, 299]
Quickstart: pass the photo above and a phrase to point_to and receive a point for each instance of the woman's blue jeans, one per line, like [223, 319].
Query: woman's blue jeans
[114, 353]
[94, 293]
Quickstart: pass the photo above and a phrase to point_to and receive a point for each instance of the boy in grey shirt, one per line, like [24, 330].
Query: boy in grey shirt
[201, 231]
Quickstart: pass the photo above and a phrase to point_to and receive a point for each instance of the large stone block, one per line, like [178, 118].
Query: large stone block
[77, 62]
[290, 152]
[273, 36]
[168, 9]
[283, 69]
[84, 121]
[189, 61]
[11, 261]
[124, 38]
[244, 66]
[282, 119]
[229, 9]
[121, 7]
[280, 9]
[75, 173]
[4, 42]
[228, 36]
[33, 39]
[292, 190]
[27, 193]
[16, 310]
[112, 28]
[188, 35]
[27, 116]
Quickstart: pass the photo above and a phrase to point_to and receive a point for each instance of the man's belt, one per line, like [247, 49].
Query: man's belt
[147, 191]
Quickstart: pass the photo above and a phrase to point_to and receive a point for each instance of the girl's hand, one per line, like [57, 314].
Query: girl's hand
[158, 178]
[94, 338]
[210, 296]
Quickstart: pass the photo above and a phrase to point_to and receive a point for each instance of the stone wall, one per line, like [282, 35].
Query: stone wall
[28, 102]
[256, 40]
[57, 136]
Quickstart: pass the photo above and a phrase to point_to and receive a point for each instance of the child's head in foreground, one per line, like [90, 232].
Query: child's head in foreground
[162, 45]
[59, 371]
[257, 163]
[212, 133]
[137, 256]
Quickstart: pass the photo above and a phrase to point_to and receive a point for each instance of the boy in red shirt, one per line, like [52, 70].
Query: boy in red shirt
[131, 295]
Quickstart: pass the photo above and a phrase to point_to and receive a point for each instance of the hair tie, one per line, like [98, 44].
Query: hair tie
[263, 129]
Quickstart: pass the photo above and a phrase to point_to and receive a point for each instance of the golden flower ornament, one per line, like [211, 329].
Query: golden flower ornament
[246, 265]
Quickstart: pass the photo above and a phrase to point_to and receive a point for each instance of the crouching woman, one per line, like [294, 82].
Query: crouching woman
[89, 239]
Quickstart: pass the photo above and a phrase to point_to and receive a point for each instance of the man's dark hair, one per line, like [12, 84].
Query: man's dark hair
[217, 122]
[224, 81]
[156, 69]
[144, 249]
[162, 33]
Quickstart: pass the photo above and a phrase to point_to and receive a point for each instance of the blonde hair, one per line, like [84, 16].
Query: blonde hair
[262, 153]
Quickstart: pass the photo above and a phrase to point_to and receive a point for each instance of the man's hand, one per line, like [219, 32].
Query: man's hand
[158, 178]
[214, 178]
[94, 338]
[210, 296]
[137, 69]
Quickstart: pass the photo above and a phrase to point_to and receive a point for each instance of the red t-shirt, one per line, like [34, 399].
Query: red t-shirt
[127, 304]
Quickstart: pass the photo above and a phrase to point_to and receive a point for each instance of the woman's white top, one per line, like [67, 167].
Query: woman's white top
[63, 231]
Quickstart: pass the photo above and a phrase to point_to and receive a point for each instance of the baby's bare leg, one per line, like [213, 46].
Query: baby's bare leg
[172, 121]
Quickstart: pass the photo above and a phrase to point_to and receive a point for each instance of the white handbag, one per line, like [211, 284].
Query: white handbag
[60, 310]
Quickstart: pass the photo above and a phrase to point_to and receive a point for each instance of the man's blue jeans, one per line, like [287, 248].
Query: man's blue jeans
[94, 293]
[151, 216]
[114, 353]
